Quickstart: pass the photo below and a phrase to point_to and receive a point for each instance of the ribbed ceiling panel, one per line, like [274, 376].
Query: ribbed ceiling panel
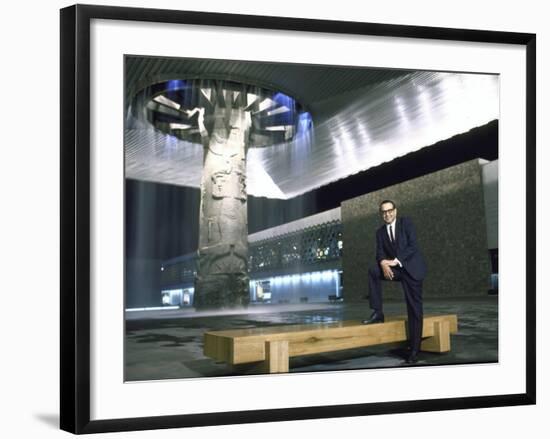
[362, 118]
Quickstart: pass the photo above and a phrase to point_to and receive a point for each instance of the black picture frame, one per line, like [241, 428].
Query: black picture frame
[75, 218]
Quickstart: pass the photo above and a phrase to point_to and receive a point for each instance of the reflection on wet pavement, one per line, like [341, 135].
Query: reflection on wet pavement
[169, 345]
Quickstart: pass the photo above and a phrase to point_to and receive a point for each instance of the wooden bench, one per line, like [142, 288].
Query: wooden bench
[272, 347]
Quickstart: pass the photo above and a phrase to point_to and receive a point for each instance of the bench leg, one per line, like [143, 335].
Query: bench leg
[441, 340]
[276, 356]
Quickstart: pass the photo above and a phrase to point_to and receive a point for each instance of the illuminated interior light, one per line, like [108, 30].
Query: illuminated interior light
[304, 124]
[161, 99]
[277, 128]
[283, 99]
[179, 126]
[279, 110]
[265, 104]
[163, 109]
[176, 84]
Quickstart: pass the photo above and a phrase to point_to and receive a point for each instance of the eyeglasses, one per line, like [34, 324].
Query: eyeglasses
[384, 212]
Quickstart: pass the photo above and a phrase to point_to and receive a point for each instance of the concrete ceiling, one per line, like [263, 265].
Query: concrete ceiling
[362, 117]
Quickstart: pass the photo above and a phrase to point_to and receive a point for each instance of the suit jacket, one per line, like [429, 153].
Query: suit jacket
[405, 248]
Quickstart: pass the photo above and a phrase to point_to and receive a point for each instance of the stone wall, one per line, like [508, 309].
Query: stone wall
[447, 208]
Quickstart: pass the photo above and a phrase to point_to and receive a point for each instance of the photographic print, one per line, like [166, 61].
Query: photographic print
[303, 221]
[299, 218]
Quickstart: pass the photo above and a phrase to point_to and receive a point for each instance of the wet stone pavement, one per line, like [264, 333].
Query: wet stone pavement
[169, 344]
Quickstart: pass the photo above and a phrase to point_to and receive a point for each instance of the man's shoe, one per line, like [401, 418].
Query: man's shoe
[412, 358]
[374, 318]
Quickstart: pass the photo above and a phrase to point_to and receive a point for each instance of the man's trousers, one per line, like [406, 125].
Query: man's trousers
[412, 290]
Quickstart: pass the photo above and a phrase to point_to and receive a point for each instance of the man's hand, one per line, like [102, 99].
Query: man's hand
[386, 265]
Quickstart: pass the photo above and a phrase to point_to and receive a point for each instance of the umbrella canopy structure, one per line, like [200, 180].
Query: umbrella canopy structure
[167, 106]
[227, 118]
[361, 118]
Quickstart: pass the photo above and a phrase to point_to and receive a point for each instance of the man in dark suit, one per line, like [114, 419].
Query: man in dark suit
[398, 259]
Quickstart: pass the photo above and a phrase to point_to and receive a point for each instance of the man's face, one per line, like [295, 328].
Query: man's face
[388, 212]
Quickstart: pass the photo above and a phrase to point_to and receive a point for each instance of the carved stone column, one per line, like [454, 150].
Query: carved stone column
[222, 276]
[228, 118]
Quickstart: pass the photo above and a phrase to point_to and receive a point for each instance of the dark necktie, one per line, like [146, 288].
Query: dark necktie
[392, 237]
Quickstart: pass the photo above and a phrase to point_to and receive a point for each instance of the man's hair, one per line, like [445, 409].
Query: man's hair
[386, 201]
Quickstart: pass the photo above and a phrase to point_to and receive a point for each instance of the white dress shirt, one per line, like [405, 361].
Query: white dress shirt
[392, 225]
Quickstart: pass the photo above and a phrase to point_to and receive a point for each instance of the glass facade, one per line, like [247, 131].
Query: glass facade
[300, 266]
[303, 249]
